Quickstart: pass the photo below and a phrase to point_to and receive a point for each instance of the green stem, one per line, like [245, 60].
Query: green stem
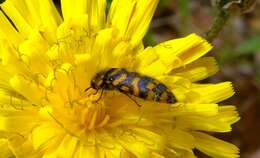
[218, 24]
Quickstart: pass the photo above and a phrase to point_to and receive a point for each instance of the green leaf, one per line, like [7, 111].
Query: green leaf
[184, 8]
[149, 39]
[164, 3]
[250, 46]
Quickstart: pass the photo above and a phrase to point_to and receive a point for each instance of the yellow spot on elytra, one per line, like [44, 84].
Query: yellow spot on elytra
[150, 95]
[124, 88]
[164, 96]
[120, 79]
[150, 86]
[135, 86]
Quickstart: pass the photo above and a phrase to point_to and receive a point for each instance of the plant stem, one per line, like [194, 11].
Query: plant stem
[218, 24]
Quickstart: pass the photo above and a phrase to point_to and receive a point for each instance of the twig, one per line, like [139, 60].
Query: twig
[225, 8]
[218, 24]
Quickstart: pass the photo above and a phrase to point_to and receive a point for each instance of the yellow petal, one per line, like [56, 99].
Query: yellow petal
[49, 17]
[197, 70]
[5, 151]
[120, 14]
[146, 57]
[18, 124]
[67, 10]
[5, 76]
[34, 14]
[172, 54]
[139, 141]
[202, 123]
[64, 84]
[12, 60]
[195, 109]
[67, 147]
[177, 140]
[83, 75]
[32, 52]
[140, 20]
[104, 43]
[187, 49]
[11, 101]
[94, 9]
[219, 123]
[33, 7]
[48, 10]
[44, 136]
[8, 32]
[132, 17]
[215, 147]
[19, 21]
[22, 147]
[72, 38]
[121, 56]
[228, 114]
[85, 151]
[210, 93]
[156, 141]
[30, 90]
[8, 53]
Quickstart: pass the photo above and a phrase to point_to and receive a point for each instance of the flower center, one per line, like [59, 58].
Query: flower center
[92, 117]
[90, 112]
[80, 116]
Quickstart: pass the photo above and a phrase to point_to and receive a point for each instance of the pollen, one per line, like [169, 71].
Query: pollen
[89, 118]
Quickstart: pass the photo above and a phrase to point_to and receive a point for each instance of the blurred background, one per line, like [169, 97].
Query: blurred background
[237, 49]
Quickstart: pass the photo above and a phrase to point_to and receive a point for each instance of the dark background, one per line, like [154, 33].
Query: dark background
[237, 50]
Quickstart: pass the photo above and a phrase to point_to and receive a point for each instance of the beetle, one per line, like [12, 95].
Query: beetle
[132, 83]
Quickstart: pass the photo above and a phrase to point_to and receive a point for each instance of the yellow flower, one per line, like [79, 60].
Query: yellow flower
[48, 60]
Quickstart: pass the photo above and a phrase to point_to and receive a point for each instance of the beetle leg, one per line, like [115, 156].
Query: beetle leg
[102, 91]
[133, 100]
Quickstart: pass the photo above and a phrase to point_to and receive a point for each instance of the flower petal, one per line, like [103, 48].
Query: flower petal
[28, 15]
[5, 76]
[171, 54]
[140, 141]
[22, 147]
[177, 140]
[195, 109]
[28, 89]
[197, 70]
[18, 124]
[5, 151]
[45, 136]
[33, 53]
[210, 93]
[17, 18]
[94, 9]
[132, 17]
[8, 32]
[67, 147]
[218, 123]
[215, 147]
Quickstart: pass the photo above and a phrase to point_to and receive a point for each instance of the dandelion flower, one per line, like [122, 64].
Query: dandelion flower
[48, 60]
